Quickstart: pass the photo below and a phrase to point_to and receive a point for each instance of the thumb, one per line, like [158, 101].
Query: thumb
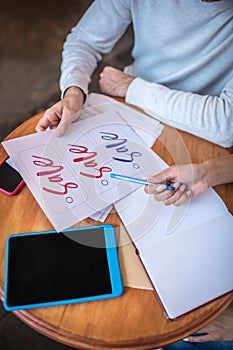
[62, 127]
[65, 122]
[158, 181]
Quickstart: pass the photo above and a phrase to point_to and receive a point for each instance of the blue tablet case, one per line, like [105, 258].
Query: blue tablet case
[49, 268]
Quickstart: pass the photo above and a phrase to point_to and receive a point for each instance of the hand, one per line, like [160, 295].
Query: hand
[63, 112]
[114, 82]
[189, 181]
[219, 329]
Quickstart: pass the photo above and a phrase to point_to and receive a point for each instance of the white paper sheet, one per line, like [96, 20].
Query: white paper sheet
[152, 220]
[192, 267]
[146, 127]
[70, 176]
[170, 242]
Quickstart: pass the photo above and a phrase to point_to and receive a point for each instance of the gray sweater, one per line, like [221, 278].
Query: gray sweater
[183, 59]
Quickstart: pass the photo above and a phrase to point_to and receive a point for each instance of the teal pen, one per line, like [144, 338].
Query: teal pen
[139, 181]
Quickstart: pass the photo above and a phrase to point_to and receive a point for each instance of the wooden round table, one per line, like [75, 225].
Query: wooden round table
[135, 320]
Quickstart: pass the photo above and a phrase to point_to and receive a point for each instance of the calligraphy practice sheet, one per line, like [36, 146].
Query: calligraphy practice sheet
[70, 176]
[148, 128]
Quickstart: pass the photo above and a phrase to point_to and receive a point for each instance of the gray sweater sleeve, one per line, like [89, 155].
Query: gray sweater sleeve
[209, 117]
[89, 39]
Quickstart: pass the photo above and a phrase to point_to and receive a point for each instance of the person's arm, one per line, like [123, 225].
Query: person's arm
[191, 179]
[95, 34]
[209, 117]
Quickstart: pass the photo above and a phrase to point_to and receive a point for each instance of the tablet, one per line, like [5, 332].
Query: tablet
[49, 268]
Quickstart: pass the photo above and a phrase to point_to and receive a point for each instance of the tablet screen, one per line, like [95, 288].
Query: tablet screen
[52, 268]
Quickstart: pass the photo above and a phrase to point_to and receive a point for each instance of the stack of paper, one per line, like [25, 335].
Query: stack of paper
[70, 176]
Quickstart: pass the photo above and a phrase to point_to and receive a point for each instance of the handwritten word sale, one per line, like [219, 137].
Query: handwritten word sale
[53, 172]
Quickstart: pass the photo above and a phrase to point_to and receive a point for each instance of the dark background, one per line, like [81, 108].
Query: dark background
[31, 41]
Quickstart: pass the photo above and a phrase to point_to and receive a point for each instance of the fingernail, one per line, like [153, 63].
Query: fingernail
[176, 185]
[188, 193]
[58, 134]
[160, 188]
[182, 188]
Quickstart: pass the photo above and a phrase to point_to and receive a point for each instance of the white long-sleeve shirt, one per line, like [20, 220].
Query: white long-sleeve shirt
[183, 59]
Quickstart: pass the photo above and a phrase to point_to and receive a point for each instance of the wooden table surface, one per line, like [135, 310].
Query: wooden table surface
[135, 320]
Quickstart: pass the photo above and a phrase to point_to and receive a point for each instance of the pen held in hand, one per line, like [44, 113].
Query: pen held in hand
[139, 181]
